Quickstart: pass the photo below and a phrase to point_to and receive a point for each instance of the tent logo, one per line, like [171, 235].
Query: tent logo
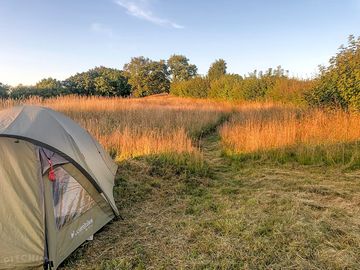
[84, 227]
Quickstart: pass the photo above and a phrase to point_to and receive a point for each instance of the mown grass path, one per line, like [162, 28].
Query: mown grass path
[248, 215]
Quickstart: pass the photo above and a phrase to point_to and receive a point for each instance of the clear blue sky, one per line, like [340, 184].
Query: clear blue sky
[57, 38]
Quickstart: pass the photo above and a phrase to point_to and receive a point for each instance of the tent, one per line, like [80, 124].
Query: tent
[56, 187]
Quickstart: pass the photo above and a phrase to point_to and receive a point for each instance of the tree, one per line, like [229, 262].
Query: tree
[339, 84]
[147, 77]
[4, 90]
[81, 84]
[180, 69]
[345, 67]
[48, 87]
[256, 85]
[227, 87]
[23, 91]
[48, 83]
[325, 93]
[110, 82]
[99, 81]
[217, 69]
[197, 87]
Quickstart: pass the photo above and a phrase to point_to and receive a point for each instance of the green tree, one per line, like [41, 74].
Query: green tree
[147, 77]
[338, 85]
[258, 84]
[100, 81]
[325, 93]
[4, 90]
[197, 87]
[48, 87]
[345, 67]
[23, 91]
[217, 69]
[81, 84]
[180, 69]
[110, 82]
[227, 87]
[48, 83]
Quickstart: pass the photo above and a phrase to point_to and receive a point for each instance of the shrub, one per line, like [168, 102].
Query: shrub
[289, 90]
[339, 84]
[197, 87]
[325, 94]
[227, 87]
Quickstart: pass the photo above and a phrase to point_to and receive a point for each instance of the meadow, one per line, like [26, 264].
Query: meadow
[285, 134]
[205, 184]
[130, 128]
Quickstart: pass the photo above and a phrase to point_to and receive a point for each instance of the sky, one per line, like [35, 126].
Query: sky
[58, 38]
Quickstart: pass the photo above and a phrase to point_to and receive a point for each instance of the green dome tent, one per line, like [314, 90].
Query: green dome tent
[56, 187]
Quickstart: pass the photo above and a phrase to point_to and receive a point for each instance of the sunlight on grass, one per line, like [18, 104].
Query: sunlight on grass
[287, 133]
[130, 128]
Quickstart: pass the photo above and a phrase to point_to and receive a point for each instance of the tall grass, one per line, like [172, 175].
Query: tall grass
[135, 127]
[130, 128]
[284, 133]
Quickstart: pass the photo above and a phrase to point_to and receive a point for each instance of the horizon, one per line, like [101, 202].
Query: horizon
[58, 40]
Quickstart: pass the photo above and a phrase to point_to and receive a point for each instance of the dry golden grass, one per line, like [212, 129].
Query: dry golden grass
[165, 124]
[283, 128]
[136, 127]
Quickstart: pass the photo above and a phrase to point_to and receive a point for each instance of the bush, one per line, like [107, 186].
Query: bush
[227, 87]
[197, 87]
[289, 90]
[274, 84]
[339, 84]
[325, 94]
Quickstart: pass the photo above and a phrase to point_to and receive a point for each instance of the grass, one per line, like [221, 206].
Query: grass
[186, 205]
[131, 128]
[256, 217]
[286, 134]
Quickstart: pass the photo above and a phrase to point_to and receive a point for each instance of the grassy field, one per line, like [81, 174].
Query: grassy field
[137, 127]
[286, 134]
[213, 185]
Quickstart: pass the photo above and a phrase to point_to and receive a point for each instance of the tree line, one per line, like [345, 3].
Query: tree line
[337, 85]
[142, 77]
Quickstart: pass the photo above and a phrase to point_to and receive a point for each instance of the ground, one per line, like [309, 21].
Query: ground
[228, 215]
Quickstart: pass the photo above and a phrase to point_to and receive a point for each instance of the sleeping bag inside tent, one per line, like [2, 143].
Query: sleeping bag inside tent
[56, 187]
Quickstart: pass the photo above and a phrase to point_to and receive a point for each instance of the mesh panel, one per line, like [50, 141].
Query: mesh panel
[70, 198]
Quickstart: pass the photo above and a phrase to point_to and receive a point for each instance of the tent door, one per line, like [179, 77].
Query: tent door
[74, 209]
[72, 215]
